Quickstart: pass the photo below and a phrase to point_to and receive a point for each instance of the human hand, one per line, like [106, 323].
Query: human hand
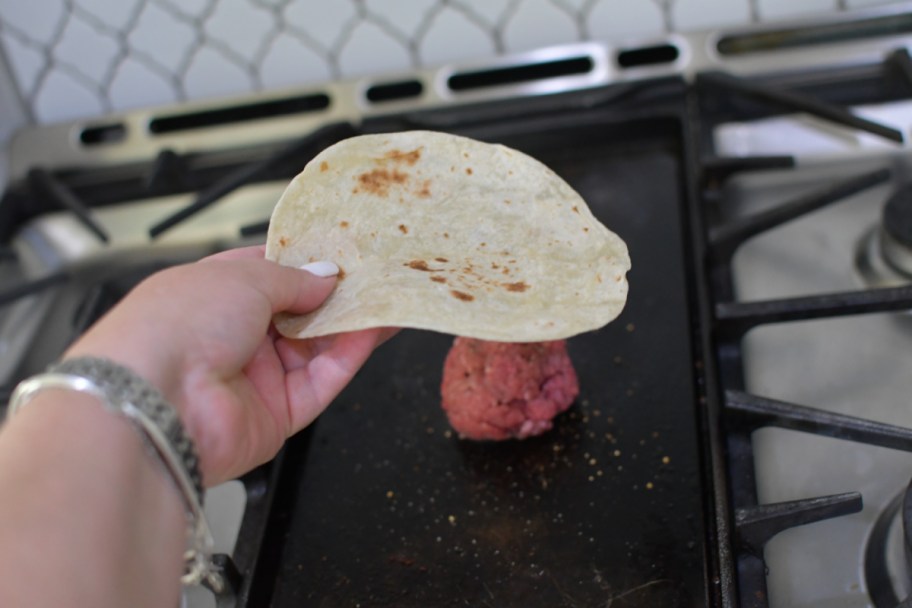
[202, 334]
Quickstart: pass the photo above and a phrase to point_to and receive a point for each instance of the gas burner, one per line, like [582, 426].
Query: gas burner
[888, 554]
[883, 255]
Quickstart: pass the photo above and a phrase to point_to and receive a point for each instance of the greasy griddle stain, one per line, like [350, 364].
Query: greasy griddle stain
[518, 286]
[403, 228]
[409, 158]
[438, 279]
[324, 166]
[379, 181]
[461, 295]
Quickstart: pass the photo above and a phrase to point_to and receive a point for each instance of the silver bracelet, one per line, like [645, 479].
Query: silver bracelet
[123, 392]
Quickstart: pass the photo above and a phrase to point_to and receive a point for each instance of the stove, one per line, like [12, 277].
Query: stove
[743, 431]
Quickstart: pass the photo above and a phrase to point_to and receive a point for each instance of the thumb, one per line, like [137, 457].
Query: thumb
[287, 289]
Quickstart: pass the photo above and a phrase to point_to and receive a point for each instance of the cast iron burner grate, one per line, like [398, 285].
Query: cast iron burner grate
[722, 98]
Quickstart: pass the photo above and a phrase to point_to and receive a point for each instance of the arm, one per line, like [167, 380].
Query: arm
[78, 494]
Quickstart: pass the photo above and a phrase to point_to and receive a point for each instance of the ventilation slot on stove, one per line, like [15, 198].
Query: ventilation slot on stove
[659, 54]
[103, 134]
[826, 33]
[529, 72]
[240, 113]
[393, 91]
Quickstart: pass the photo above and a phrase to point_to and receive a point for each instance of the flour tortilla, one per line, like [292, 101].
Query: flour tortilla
[440, 232]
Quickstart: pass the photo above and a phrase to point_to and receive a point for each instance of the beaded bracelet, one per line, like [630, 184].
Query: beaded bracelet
[123, 392]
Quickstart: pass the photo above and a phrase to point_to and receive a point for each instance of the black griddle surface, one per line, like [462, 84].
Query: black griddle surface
[387, 507]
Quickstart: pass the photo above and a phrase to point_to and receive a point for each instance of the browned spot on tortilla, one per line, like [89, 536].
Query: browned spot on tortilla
[443, 260]
[378, 181]
[482, 244]
[342, 274]
[465, 154]
[409, 158]
[324, 166]
[468, 170]
[425, 189]
[418, 265]
[446, 235]
[343, 224]
[518, 286]
[506, 270]
[438, 279]
[461, 295]
[403, 228]
[283, 241]
[507, 201]
[494, 266]
[598, 277]
[575, 209]
[585, 228]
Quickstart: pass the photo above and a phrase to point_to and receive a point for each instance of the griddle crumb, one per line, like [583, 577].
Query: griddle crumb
[665, 459]
[649, 485]
[452, 520]
[630, 327]
[390, 493]
[617, 452]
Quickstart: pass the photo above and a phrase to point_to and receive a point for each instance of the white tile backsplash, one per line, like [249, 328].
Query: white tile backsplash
[77, 58]
[40, 21]
[453, 35]
[538, 23]
[135, 84]
[290, 61]
[702, 14]
[244, 29]
[146, 34]
[625, 21]
[327, 30]
[783, 9]
[370, 49]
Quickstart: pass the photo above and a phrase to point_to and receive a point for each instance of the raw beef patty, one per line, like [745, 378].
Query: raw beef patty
[500, 390]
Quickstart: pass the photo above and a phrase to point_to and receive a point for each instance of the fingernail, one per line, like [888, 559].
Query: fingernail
[321, 269]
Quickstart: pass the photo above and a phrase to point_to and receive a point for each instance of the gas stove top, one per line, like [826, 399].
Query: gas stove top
[742, 438]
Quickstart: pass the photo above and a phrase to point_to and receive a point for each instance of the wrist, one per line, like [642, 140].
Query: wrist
[90, 506]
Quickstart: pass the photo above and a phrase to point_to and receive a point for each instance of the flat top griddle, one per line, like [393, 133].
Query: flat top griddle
[382, 505]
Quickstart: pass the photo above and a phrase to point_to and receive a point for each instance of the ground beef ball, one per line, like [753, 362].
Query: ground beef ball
[499, 390]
